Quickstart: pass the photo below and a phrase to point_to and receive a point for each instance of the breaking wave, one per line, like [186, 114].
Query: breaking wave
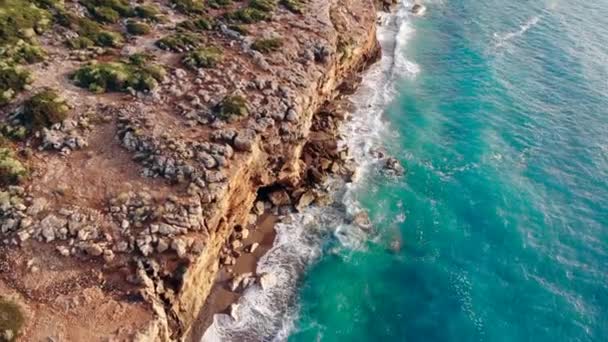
[269, 315]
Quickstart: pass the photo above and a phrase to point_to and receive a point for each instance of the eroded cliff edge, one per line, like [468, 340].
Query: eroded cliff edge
[119, 226]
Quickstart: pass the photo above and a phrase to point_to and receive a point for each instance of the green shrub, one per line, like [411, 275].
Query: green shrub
[240, 29]
[207, 57]
[12, 172]
[22, 52]
[121, 7]
[140, 59]
[189, 7]
[44, 109]
[218, 3]
[197, 24]
[79, 43]
[106, 14]
[89, 29]
[178, 42]
[248, 15]
[292, 5]
[231, 106]
[138, 28]
[118, 76]
[267, 45]
[13, 79]
[263, 5]
[150, 12]
[49, 4]
[21, 19]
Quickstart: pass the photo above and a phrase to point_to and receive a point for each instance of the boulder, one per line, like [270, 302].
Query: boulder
[244, 140]
[279, 198]
[305, 200]
[362, 220]
[234, 311]
[267, 280]
[253, 247]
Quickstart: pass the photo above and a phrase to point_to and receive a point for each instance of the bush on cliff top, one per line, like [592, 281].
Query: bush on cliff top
[294, 6]
[207, 57]
[13, 79]
[263, 5]
[218, 3]
[196, 25]
[179, 42]
[44, 109]
[248, 15]
[267, 45]
[90, 30]
[150, 12]
[189, 7]
[21, 19]
[118, 76]
[232, 106]
[138, 28]
[109, 10]
[12, 171]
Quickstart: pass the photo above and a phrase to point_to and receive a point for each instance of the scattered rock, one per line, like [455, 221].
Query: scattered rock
[279, 198]
[393, 167]
[234, 307]
[253, 247]
[267, 280]
[362, 220]
[305, 200]
[179, 246]
[93, 250]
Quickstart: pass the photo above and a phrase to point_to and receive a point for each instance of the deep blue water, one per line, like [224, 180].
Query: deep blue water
[503, 214]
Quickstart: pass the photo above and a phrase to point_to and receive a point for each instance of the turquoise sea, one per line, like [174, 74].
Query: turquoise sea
[499, 231]
[502, 122]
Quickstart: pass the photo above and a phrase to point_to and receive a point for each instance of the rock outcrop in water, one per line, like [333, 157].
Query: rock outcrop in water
[120, 191]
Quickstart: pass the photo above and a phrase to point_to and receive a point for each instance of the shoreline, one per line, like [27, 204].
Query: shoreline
[221, 297]
[325, 131]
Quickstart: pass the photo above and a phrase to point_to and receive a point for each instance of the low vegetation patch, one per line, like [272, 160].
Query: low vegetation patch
[232, 106]
[138, 28]
[196, 25]
[179, 42]
[22, 52]
[108, 11]
[12, 171]
[20, 22]
[13, 79]
[21, 19]
[207, 57]
[218, 3]
[132, 73]
[267, 45]
[90, 30]
[294, 6]
[44, 109]
[150, 12]
[242, 29]
[263, 5]
[189, 7]
[248, 15]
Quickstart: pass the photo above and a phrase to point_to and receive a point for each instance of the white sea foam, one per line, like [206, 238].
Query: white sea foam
[503, 38]
[269, 315]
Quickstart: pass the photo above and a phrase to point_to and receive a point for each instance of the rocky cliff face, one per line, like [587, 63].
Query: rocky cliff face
[135, 200]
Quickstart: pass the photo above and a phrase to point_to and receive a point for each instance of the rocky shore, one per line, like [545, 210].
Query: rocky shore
[128, 183]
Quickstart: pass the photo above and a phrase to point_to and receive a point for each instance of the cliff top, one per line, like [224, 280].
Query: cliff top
[135, 135]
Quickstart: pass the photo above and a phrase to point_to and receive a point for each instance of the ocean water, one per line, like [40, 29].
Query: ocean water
[499, 231]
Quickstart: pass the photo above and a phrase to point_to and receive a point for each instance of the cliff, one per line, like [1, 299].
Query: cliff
[136, 195]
